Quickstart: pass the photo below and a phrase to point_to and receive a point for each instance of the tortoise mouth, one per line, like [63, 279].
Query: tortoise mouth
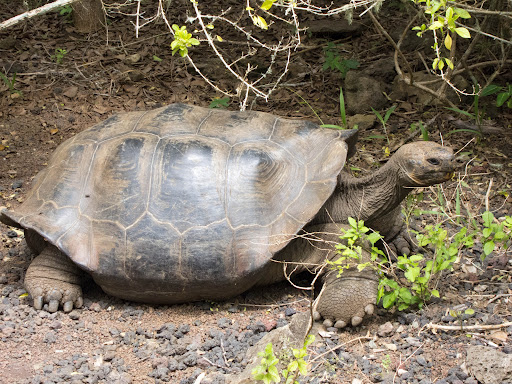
[431, 178]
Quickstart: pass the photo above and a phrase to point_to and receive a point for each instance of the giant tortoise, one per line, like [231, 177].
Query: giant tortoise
[184, 203]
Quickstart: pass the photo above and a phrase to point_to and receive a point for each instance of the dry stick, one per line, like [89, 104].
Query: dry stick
[487, 195]
[467, 327]
[341, 345]
[34, 12]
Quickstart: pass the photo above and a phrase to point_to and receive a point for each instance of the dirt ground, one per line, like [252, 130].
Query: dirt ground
[98, 78]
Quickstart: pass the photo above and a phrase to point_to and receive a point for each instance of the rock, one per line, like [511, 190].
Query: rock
[289, 336]
[334, 26]
[363, 93]
[289, 311]
[488, 365]
[363, 122]
[71, 92]
[385, 329]
[74, 315]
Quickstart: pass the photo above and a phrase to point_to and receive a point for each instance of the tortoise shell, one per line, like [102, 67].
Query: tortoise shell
[182, 203]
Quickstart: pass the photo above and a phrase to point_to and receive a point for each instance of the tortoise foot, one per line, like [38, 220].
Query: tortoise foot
[346, 300]
[53, 279]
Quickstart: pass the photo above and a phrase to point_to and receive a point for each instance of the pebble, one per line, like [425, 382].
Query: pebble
[385, 329]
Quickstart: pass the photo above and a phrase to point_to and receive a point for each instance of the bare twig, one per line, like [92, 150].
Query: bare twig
[367, 337]
[467, 327]
[35, 12]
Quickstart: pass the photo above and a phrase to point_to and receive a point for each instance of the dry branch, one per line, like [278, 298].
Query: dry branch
[35, 12]
[468, 327]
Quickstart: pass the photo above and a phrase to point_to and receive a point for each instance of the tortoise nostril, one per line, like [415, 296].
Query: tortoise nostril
[433, 161]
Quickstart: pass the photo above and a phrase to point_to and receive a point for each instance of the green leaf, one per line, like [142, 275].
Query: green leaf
[491, 89]
[449, 13]
[412, 273]
[448, 42]
[292, 367]
[389, 299]
[434, 293]
[487, 232]
[156, 58]
[488, 218]
[332, 126]
[463, 32]
[373, 237]
[416, 258]
[488, 247]
[342, 108]
[274, 374]
[303, 367]
[352, 222]
[462, 13]
[309, 340]
[502, 98]
[436, 25]
[219, 102]
[260, 22]
[267, 4]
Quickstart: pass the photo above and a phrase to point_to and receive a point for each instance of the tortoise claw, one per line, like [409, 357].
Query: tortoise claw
[68, 306]
[38, 302]
[356, 320]
[340, 324]
[328, 323]
[53, 306]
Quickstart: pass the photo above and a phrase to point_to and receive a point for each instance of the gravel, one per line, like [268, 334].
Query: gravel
[111, 341]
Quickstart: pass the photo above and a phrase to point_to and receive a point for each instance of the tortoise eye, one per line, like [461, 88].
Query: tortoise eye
[433, 161]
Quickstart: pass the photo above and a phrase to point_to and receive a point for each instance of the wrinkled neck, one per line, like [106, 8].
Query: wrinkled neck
[365, 198]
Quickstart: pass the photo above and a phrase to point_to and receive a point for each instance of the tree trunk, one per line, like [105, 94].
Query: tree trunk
[88, 15]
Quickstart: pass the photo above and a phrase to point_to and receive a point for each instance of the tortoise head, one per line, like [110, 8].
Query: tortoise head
[424, 163]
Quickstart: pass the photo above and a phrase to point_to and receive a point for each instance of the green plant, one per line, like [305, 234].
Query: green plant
[505, 97]
[442, 19]
[182, 40]
[65, 10]
[60, 53]
[353, 242]
[267, 370]
[10, 83]
[343, 115]
[495, 234]
[219, 102]
[459, 315]
[386, 362]
[421, 274]
[424, 131]
[333, 61]
[385, 119]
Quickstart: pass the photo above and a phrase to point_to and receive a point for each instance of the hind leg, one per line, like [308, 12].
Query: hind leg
[53, 279]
